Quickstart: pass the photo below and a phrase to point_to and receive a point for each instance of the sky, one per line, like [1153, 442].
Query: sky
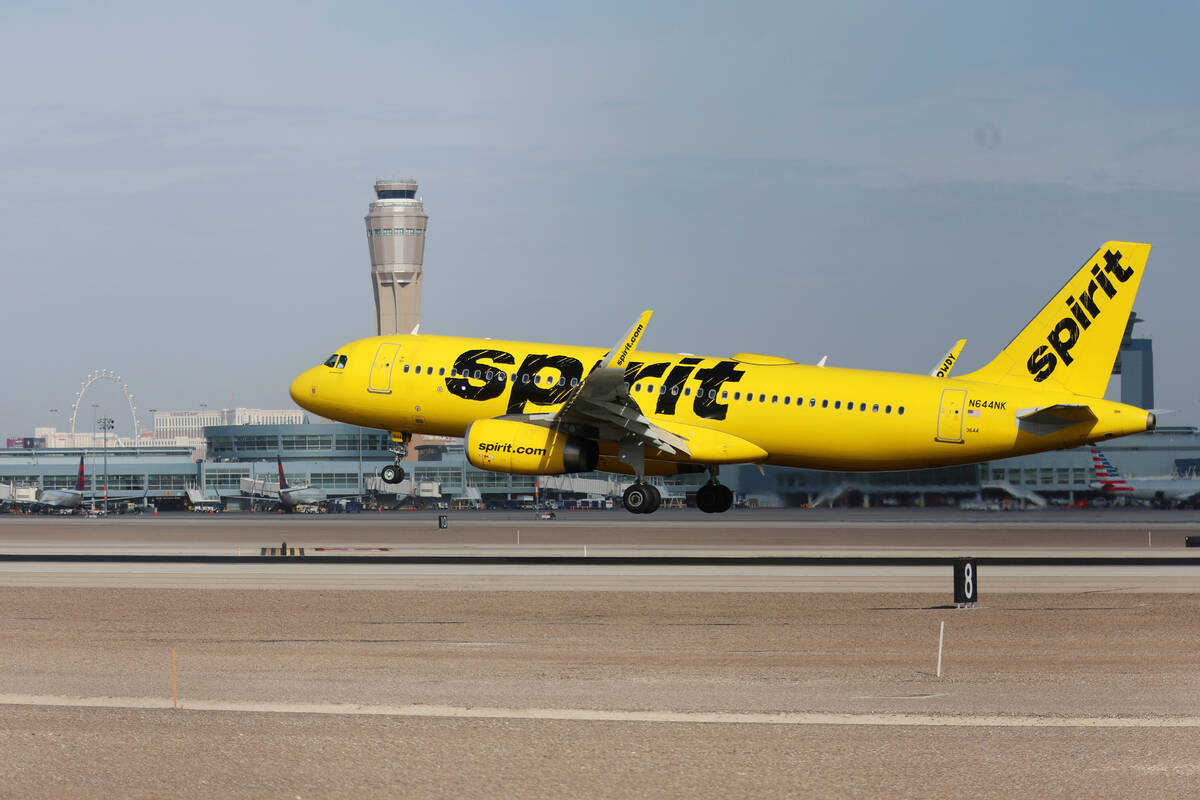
[182, 189]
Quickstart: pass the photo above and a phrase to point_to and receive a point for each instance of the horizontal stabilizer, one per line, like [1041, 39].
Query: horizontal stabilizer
[1050, 419]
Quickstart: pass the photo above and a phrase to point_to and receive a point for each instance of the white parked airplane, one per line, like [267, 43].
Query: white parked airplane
[1162, 491]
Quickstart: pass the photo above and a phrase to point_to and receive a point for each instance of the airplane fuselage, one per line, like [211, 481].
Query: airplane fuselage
[761, 409]
[60, 498]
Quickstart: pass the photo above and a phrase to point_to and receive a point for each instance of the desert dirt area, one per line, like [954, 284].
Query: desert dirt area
[316, 692]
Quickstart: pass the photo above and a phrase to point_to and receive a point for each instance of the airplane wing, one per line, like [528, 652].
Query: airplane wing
[944, 366]
[602, 401]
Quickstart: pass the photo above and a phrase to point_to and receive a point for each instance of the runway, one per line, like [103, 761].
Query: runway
[448, 680]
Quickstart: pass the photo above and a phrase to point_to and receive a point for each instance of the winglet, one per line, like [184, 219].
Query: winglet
[943, 368]
[619, 356]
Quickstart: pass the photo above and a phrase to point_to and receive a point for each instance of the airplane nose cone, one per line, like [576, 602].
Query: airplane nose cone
[301, 388]
[1151, 421]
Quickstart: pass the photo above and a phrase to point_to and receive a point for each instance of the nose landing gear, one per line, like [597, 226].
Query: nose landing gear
[394, 473]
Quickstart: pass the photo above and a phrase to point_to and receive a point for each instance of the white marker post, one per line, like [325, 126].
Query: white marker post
[941, 639]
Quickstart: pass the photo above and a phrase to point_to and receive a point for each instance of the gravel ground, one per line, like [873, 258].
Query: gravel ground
[1095, 657]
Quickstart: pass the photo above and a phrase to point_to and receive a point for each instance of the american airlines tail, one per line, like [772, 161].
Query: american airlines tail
[1106, 474]
[1073, 341]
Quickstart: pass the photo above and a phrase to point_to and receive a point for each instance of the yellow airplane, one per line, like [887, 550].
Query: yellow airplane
[548, 409]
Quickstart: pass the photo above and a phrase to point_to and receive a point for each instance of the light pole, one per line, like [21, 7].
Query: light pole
[94, 407]
[106, 425]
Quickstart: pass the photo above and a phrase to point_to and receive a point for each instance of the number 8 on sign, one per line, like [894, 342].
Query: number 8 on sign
[966, 581]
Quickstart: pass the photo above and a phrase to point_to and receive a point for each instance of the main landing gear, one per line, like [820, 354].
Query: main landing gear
[713, 497]
[642, 498]
[394, 473]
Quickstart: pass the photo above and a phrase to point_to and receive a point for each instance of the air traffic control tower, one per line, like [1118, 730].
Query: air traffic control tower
[396, 237]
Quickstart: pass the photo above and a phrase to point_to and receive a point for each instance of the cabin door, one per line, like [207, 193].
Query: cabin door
[950, 418]
[380, 381]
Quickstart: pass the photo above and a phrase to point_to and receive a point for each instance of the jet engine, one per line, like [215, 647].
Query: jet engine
[506, 445]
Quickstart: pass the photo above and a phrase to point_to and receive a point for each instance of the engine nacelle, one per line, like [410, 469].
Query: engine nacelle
[505, 445]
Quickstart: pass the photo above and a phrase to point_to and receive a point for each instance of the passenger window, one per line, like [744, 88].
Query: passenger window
[574, 382]
[774, 399]
[737, 395]
[724, 395]
[637, 387]
[406, 367]
[341, 362]
[812, 401]
[687, 392]
[488, 375]
[787, 400]
[712, 394]
[875, 408]
[662, 390]
[837, 404]
[824, 404]
[477, 372]
[627, 386]
[863, 406]
[441, 371]
[417, 369]
[562, 381]
[675, 391]
[887, 409]
[900, 410]
[501, 376]
[525, 378]
[332, 360]
[762, 398]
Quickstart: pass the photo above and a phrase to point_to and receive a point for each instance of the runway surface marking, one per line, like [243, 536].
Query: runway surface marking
[595, 715]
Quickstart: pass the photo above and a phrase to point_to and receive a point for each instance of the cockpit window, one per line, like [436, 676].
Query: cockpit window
[332, 360]
[341, 362]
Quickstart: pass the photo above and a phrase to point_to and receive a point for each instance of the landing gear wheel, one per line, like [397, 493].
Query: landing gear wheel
[713, 498]
[724, 498]
[641, 498]
[391, 474]
[655, 499]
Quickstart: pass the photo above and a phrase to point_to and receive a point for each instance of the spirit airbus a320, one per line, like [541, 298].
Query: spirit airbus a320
[547, 409]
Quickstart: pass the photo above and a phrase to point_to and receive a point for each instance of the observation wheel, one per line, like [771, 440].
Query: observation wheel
[105, 375]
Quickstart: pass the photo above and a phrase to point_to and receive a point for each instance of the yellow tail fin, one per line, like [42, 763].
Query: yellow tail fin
[1073, 341]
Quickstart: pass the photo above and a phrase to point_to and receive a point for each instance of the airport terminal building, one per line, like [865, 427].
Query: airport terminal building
[345, 460]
